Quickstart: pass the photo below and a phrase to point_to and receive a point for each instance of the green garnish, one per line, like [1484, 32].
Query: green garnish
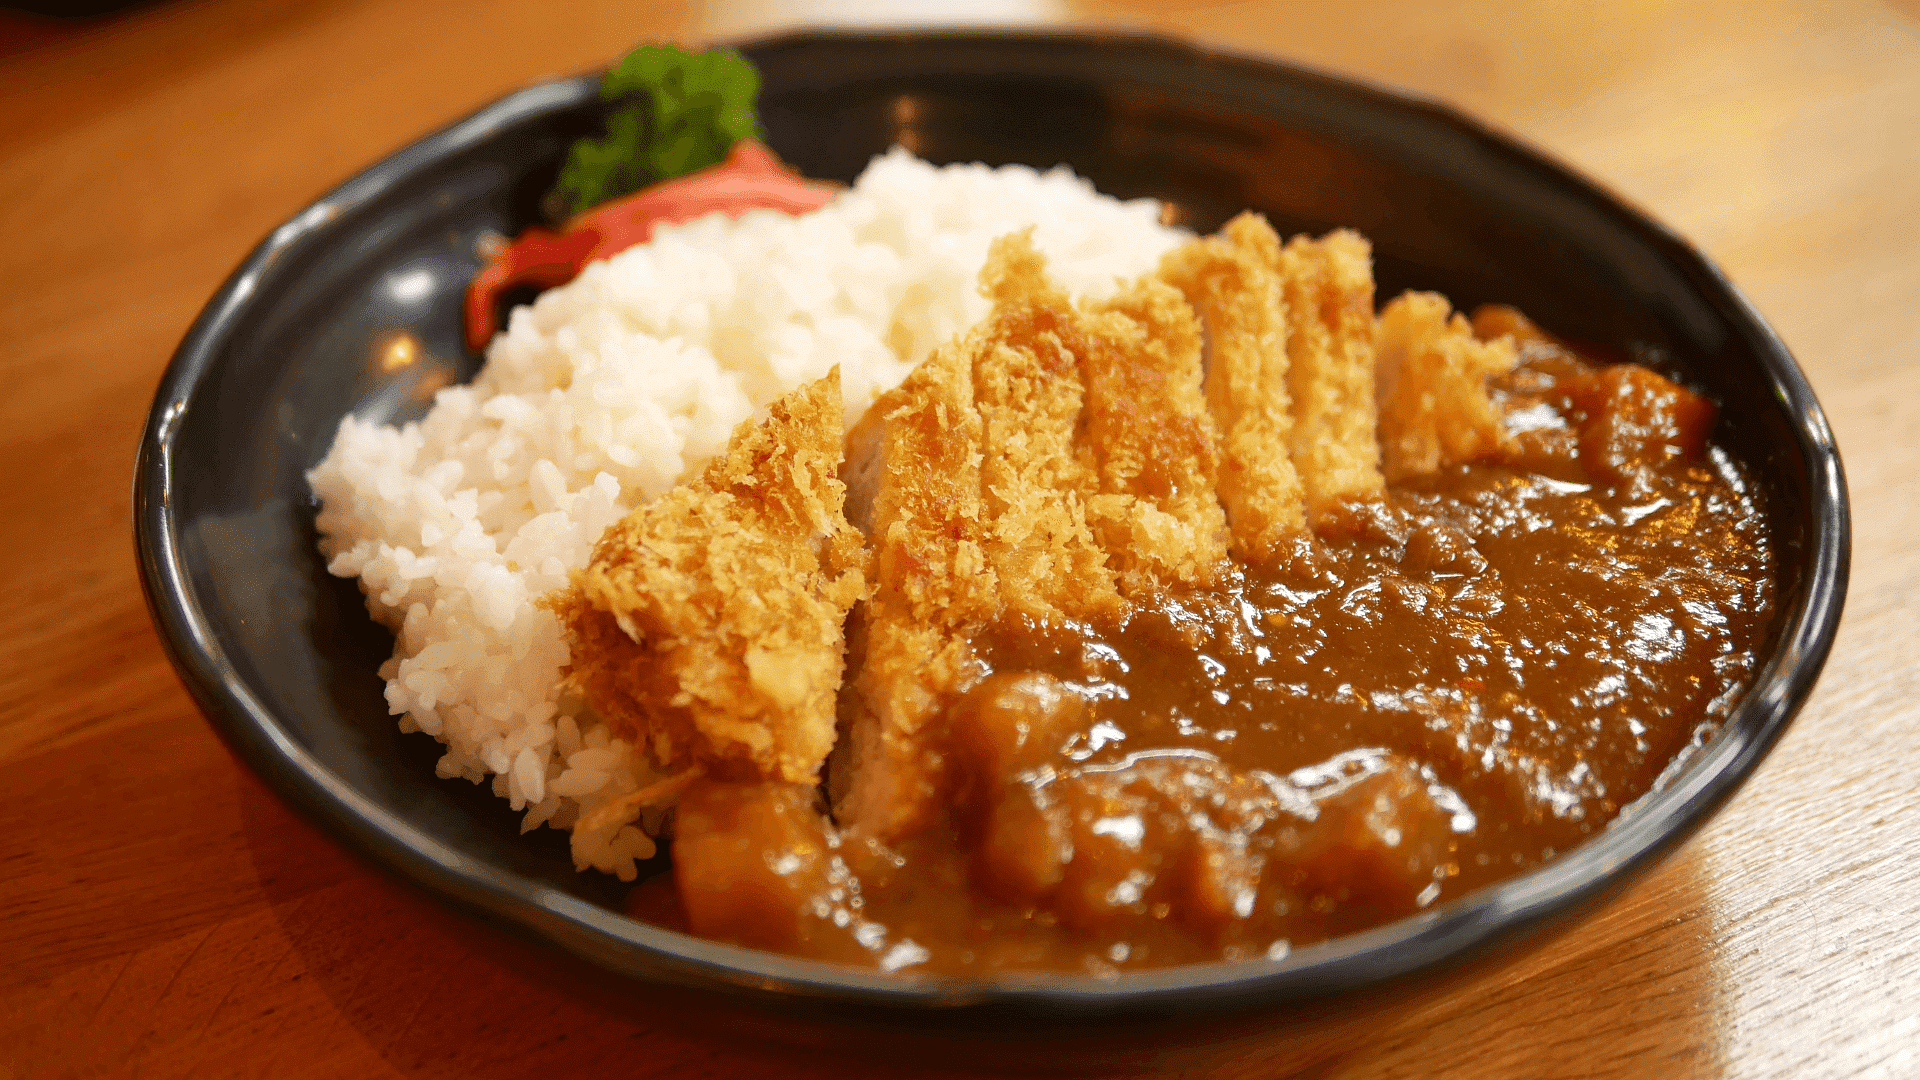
[677, 112]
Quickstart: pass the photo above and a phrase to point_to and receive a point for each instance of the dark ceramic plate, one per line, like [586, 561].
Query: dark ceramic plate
[283, 657]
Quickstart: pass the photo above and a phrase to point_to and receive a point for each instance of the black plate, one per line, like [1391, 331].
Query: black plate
[283, 657]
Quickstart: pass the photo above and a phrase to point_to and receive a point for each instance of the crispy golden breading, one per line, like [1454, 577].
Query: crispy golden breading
[1329, 290]
[1433, 386]
[1030, 395]
[992, 459]
[1158, 513]
[708, 625]
[933, 584]
[1232, 280]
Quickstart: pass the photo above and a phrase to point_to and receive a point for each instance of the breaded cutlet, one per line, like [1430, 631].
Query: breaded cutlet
[988, 464]
[1233, 282]
[707, 627]
[1328, 285]
[1155, 447]
[1032, 396]
[1433, 375]
[919, 446]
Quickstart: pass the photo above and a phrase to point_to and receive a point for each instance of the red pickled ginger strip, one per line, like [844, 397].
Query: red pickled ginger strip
[752, 178]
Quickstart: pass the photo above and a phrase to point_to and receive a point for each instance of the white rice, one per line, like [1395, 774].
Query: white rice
[606, 392]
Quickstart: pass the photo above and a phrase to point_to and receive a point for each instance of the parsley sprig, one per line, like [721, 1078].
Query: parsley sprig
[675, 112]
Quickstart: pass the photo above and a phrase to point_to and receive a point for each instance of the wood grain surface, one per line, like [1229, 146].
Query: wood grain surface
[163, 914]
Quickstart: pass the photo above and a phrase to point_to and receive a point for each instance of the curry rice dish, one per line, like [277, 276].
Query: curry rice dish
[1205, 619]
[1159, 601]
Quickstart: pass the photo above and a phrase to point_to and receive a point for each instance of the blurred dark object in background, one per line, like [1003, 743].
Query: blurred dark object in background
[66, 9]
[27, 25]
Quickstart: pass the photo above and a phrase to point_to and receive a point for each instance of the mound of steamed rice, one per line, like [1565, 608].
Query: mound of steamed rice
[605, 393]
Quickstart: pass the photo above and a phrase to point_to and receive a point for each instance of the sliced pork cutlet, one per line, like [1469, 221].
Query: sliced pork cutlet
[984, 464]
[708, 625]
[1153, 444]
[920, 447]
[1432, 378]
[1039, 403]
[1232, 280]
[1328, 285]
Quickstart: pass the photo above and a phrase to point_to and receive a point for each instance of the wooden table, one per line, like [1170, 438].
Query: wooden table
[162, 913]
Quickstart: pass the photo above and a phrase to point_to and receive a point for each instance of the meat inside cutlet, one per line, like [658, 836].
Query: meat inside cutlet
[1433, 374]
[1039, 467]
[920, 447]
[1289, 378]
[707, 627]
[1233, 282]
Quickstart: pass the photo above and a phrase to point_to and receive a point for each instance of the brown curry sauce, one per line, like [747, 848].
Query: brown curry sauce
[1440, 691]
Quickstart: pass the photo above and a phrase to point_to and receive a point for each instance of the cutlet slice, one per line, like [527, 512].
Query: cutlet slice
[1433, 375]
[919, 446]
[1328, 285]
[977, 512]
[1155, 447]
[1030, 393]
[1233, 282]
[708, 625]
[1042, 467]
